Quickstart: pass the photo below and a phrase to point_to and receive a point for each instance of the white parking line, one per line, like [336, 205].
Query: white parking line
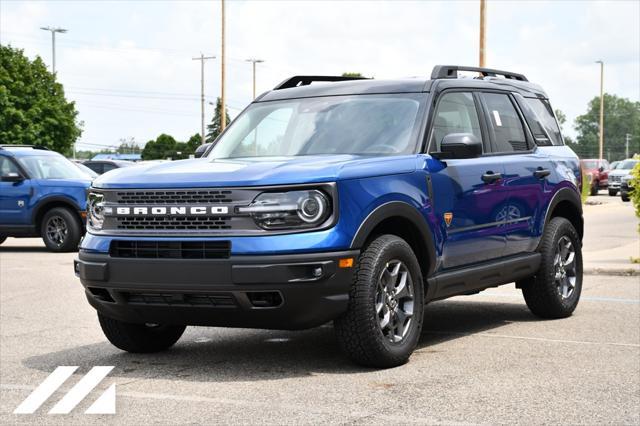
[540, 339]
[582, 298]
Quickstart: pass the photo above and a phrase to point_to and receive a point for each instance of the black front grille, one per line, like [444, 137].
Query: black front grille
[167, 197]
[173, 222]
[615, 178]
[171, 249]
[181, 299]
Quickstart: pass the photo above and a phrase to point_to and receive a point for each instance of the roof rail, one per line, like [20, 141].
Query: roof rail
[8, 145]
[451, 71]
[305, 80]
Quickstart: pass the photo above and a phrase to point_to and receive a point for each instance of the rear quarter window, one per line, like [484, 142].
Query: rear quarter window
[544, 120]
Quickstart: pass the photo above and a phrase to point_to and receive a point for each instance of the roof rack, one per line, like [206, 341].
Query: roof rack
[8, 145]
[305, 80]
[451, 71]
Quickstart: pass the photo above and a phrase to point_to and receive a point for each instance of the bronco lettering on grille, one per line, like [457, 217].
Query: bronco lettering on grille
[171, 211]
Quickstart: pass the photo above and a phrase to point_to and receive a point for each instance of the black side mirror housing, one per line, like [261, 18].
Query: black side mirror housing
[12, 177]
[459, 145]
[601, 169]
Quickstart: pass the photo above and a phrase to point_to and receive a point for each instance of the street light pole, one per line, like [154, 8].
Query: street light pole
[254, 62]
[53, 31]
[223, 119]
[601, 108]
[202, 58]
[626, 144]
[483, 9]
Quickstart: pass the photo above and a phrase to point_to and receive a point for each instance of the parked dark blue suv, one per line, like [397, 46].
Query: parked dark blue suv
[42, 194]
[357, 201]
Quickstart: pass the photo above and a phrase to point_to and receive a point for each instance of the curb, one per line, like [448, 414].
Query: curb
[624, 272]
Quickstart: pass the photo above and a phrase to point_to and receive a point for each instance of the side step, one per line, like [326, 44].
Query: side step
[471, 279]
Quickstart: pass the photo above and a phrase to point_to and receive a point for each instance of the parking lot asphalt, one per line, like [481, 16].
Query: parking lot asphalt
[481, 359]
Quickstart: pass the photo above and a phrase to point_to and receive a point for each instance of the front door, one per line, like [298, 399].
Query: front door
[468, 194]
[14, 196]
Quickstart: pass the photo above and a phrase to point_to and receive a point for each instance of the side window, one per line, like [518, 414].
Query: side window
[456, 113]
[7, 166]
[96, 167]
[544, 113]
[268, 134]
[504, 123]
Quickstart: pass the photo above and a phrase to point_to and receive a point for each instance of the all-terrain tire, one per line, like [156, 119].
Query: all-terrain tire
[140, 338]
[543, 292]
[594, 188]
[359, 330]
[613, 192]
[61, 230]
[625, 198]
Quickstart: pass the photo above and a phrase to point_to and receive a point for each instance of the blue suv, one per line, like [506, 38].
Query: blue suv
[42, 194]
[357, 201]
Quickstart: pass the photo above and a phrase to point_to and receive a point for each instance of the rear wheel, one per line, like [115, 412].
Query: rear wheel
[594, 188]
[554, 292]
[613, 192]
[382, 325]
[61, 230]
[140, 338]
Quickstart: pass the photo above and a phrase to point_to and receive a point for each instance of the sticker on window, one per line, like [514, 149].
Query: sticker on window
[496, 117]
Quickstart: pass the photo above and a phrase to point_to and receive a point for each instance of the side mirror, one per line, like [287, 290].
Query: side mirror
[601, 169]
[12, 177]
[459, 145]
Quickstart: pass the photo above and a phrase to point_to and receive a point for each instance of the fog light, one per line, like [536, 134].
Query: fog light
[317, 272]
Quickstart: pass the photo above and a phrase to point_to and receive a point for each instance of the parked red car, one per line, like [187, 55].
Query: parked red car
[597, 172]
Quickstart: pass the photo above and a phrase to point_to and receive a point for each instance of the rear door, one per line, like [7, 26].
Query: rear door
[468, 194]
[527, 171]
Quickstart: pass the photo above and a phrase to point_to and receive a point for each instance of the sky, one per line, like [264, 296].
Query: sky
[128, 64]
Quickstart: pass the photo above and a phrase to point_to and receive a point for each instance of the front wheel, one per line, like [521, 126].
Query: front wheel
[61, 230]
[613, 192]
[140, 338]
[625, 197]
[594, 188]
[554, 291]
[382, 325]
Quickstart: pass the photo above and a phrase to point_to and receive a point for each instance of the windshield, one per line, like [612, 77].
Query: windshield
[627, 164]
[51, 167]
[590, 164]
[363, 124]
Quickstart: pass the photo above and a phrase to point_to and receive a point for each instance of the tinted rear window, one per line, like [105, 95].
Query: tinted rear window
[546, 119]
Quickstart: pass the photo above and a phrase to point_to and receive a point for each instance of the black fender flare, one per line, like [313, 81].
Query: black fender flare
[565, 194]
[403, 210]
[42, 203]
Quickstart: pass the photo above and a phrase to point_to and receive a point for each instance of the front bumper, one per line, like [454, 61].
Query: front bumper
[277, 291]
[614, 185]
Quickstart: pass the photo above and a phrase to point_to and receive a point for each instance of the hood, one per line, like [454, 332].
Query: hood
[254, 171]
[620, 172]
[66, 183]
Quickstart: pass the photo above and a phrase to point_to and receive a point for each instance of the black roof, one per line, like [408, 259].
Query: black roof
[443, 76]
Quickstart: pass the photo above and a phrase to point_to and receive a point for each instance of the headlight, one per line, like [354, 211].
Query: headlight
[95, 211]
[285, 210]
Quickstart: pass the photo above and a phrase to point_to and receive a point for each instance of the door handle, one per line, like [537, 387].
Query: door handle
[541, 173]
[490, 177]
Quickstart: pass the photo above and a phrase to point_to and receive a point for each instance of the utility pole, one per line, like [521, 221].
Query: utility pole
[483, 9]
[601, 107]
[53, 31]
[223, 119]
[254, 62]
[626, 145]
[202, 58]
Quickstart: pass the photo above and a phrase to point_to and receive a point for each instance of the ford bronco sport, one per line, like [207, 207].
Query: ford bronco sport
[357, 201]
[42, 194]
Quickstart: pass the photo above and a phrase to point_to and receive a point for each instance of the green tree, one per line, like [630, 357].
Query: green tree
[214, 128]
[163, 147]
[562, 119]
[621, 116]
[194, 142]
[33, 108]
